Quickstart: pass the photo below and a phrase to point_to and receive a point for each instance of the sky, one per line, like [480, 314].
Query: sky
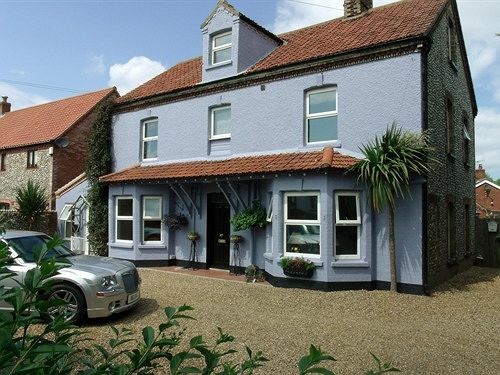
[84, 45]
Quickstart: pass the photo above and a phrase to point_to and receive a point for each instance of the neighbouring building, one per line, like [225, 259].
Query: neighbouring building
[487, 196]
[46, 143]
[278, 120]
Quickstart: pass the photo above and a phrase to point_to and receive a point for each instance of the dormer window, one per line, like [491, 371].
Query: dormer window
[221, 48]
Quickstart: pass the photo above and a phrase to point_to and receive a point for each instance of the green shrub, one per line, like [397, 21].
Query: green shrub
[31, 204]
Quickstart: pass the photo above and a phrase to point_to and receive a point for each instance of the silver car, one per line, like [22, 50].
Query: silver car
[92, 286]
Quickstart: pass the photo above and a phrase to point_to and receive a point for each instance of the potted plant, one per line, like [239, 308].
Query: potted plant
[297, 267]
[175, 221]
[251, 217]
[193, 236]
[253, 274]
[236, 238]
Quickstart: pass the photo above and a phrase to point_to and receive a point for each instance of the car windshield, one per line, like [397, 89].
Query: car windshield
[25, 247]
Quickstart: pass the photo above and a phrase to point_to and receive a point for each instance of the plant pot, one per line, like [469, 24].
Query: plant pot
[298, 273]
[193, 237]
[236, 238]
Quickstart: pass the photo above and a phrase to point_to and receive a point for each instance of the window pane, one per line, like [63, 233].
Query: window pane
[124, 207]
[150, 149]
[322, 102]
[222, 121]
[302, 207]
[68, 229]
[124, 230]
[302, 239]
[223, 39]
[222, 55]
[152, 207]
[151, 129]
[346, 240]
[322, 129]
[152, 230]
[347, 207]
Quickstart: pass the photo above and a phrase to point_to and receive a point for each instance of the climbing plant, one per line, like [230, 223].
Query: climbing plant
[98, 164]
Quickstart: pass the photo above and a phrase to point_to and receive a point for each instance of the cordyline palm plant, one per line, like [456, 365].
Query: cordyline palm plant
[389, 163]
[31, 204]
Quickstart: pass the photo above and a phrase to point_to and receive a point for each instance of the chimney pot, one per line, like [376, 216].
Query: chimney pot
[354, 8]
[4, 106]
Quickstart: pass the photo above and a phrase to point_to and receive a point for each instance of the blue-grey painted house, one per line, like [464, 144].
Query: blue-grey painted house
[278, 120]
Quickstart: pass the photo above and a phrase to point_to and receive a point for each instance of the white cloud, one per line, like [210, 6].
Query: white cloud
[133, 73]
[96, 65]
[20, 99]
[17, 72]
[487, 127]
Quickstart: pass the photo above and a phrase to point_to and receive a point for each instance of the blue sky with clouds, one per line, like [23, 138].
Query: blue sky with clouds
[89, 44]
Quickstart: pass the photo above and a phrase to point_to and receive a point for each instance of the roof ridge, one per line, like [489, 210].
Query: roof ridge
[110, 89]
[369, 11]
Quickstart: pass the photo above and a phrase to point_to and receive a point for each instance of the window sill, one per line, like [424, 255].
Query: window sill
[151, 160]
[158, 246]
[333, 143]
[122, 245]
[339, 263]
[268, 256]
[215, 66]
[220, 138]
[316, 261]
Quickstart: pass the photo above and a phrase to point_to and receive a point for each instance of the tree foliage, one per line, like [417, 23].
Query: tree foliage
[31, 204]
[98, 164]
[389, 164]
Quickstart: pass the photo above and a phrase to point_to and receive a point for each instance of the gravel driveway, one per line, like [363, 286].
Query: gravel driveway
[456, 331]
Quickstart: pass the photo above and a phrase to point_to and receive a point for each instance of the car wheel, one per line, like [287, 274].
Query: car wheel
[74, 310]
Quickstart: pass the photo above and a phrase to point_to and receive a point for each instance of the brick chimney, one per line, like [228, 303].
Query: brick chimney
[480, 173]
[4, 106]
[354, 8]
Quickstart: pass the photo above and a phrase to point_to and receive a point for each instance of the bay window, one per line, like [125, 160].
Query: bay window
[347, 226]
[151, 219]
[124, 219]
[302, 224]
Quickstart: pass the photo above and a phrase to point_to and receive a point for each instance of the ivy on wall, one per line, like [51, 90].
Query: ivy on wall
[98, 164]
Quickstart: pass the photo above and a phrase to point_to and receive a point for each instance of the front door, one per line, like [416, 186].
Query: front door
[218, 215]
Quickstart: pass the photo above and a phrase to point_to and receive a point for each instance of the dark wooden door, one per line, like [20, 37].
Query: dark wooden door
[218, 227]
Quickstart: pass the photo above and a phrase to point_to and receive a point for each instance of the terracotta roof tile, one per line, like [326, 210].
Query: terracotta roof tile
[393, 22]
[245, 165]
[46, 122]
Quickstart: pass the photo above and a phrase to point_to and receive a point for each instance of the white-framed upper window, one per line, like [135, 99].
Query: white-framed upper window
[31, 159]
[321, 115]
[220, 122]
[124, 219]
[452, 42]
[347, 225]
[302, 224]
[150, 139]
[66, 219]
[151, 219]
[221, 48]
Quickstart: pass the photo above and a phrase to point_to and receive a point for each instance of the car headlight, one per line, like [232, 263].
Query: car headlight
[108, 282]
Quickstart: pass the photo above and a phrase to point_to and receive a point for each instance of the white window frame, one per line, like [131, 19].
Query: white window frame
[123, 218]
[150, 218]
[212, 122]
[347, 223]
[313, 116]
[269, 216]
[287, 221]
[220, 48]
[66, 218]
[149, 139]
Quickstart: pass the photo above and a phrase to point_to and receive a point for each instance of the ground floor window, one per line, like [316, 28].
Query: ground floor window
[66, 219]
[347, 225]
[151, 219]
[124, 219]
[302, 224]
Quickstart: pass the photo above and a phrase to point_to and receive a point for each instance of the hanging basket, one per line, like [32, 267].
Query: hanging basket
[236, 238]
[193, 236]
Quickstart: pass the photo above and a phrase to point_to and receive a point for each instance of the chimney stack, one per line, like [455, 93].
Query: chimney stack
[480, 173]
[4, 106]
[353, 8]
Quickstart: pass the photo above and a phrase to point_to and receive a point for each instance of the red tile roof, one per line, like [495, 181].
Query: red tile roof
[390, 23]
[245, 165]
[46, 122]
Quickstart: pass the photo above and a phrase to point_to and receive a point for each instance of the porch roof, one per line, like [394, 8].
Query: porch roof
[245, 165]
